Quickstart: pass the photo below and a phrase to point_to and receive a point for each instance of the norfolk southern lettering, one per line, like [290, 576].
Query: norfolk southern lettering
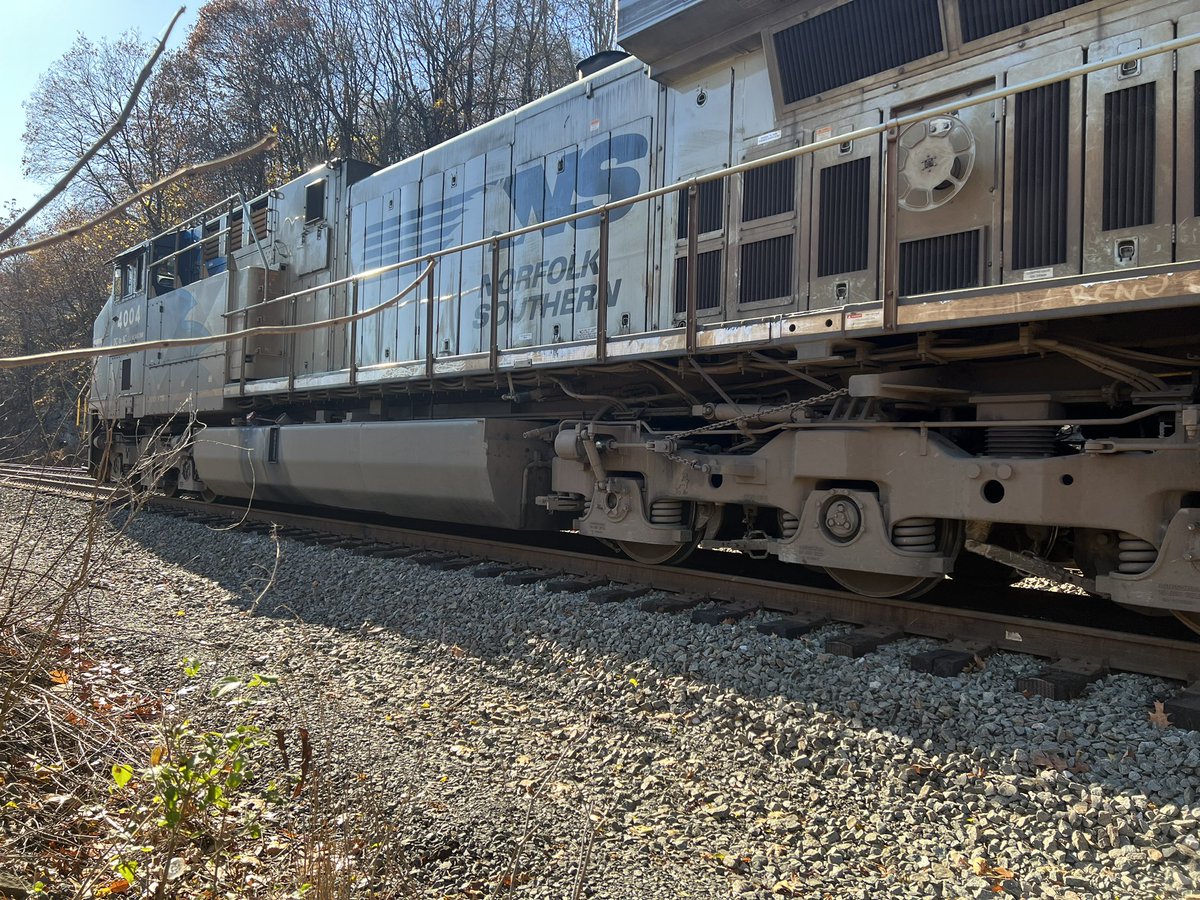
[548, 188]
[551, 288]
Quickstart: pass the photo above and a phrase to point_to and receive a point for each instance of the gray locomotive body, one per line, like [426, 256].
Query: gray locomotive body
[956, 333]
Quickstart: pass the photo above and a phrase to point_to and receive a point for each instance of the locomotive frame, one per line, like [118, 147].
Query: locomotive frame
[936, 319]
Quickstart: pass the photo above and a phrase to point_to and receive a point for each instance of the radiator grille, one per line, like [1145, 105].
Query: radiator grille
[945, 263]
[712, 208]
[1040, 176]
[235, 231]
[855, 40]
[708, 285]
[769, 191]
[258, 221]
[766, 269]
[983, 17]
[843, 235]
[1129, 156]
[210, 245]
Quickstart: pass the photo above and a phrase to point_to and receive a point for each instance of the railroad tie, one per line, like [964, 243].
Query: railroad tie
[952, 659]
[398, 552]
[793, 626]
[617, 593]
[724, 613]
[1183, 709]
[1064, 680]
[454, 563]
[572, 583]
[861, 641]
[521, 579]
[671, 603]
[490, 570]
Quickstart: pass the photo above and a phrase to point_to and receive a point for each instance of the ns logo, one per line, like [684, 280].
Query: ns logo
[580, 181]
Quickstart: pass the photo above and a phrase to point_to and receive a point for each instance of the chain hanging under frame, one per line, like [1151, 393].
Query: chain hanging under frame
[673, 439]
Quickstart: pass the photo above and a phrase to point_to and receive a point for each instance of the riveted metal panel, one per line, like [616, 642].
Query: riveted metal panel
[844, 213]
[1043, 177]
[947, 186]
[470, 334]
[1187, 197]
[1128, 205]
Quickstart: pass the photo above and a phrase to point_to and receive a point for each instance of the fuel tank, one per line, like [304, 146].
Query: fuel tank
[481, 471]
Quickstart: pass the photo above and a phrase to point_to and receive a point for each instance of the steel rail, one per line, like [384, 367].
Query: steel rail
[1145, 654]
[1115, 650]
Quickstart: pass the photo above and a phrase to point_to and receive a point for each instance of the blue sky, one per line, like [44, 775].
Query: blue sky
[35, 36]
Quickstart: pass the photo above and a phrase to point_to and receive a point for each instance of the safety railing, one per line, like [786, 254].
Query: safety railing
[499, 242]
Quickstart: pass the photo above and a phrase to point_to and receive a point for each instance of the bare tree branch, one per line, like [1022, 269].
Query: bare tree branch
[116, 126]
[265, 143]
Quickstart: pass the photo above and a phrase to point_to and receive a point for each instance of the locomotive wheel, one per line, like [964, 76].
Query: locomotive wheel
[1190, 619]
[883, 584]
[657, 554]
[208, 495]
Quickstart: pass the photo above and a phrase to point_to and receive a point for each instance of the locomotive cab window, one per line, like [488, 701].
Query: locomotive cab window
[129, 275]
[314, 202]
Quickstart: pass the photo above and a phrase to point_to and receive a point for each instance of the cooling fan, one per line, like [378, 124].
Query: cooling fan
[935, 160]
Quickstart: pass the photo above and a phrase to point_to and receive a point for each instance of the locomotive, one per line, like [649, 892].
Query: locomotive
[892, 289]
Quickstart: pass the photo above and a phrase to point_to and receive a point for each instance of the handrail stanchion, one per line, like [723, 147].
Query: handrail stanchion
[693, 213]
[354, 333]
[429, 320]
[292, 348]
[602, 292]
[244, 343]
[891, 214]
[494, 318]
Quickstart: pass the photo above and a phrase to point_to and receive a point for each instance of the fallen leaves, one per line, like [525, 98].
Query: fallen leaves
[1044, 759]
[1159, 717]
[984, 869]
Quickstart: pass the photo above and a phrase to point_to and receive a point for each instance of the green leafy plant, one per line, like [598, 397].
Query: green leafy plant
[203, 776]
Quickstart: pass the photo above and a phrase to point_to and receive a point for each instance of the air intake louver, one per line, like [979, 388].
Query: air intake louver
[983, 17]
[766, 269]
[258, 220]
[946, 263]
[712, 208]
[1040, 177]
[769, 191]
[845, 218]
[1129, 155]
[708, 285]
[853, 41]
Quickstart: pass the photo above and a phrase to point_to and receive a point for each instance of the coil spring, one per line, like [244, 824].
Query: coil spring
[1029, 442]
[789, 524]
[666, 512]
[1134, 556]
[916, 535]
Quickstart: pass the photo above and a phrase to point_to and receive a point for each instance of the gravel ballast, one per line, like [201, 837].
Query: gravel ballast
[494, 723]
